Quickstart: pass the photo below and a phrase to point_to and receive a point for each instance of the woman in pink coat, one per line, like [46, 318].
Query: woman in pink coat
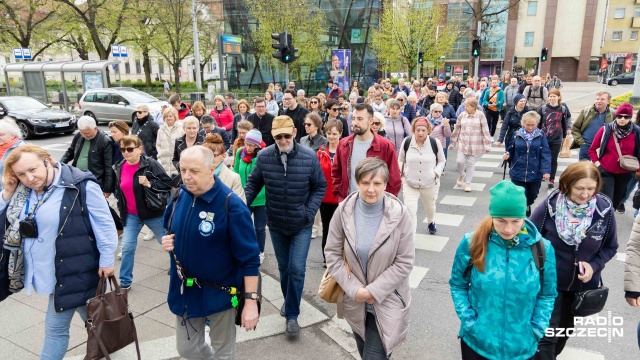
[221, 113]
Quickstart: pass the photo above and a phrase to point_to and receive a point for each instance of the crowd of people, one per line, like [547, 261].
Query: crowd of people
[331, 165]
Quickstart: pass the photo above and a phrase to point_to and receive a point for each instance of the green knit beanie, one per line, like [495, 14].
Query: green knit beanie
[507, 200]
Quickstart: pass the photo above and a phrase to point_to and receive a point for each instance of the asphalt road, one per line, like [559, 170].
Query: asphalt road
[434, 324]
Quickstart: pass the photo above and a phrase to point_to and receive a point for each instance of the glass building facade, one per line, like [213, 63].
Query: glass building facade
[348, 25]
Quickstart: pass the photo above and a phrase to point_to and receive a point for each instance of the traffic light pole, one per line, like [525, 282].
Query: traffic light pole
[635, 92]
[477, 62]
[286, 70]
[418, 64]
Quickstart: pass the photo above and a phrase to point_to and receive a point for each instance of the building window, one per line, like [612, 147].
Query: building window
[138, 67]
[636, 12]
[127, 67]
[161, 66]
[617, 36]
[532, 8]
[634, 35]
[619, 14]
[528, 38]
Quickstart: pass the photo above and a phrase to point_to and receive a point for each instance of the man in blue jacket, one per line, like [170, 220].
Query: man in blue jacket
[294, 186]
[211, 256]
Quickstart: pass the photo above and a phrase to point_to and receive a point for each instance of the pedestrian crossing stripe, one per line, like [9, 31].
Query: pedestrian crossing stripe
[621, 256]
[488, 164]
[458, 200]
[447, 219]
[417, 275]
[474, 186]
[430, 242]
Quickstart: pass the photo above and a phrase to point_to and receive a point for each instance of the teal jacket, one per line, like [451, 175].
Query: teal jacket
[243, 169]
[499, 98]
[503, 311]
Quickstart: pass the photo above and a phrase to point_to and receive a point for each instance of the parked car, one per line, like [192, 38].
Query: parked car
[35, 118]
[110, 104]
[626, 78]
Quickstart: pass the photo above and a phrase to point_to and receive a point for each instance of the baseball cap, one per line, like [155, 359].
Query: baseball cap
[282, 125]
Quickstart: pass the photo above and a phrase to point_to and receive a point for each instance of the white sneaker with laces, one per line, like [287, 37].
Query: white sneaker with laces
[120, 254]
[149, 236]
[261, 258]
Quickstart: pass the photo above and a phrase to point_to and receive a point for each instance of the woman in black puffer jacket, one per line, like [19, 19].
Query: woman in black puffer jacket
[512, 122]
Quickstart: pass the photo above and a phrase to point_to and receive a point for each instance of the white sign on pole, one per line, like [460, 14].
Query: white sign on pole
[336, 73]
[26, 53]
[17, 53]
[115, 50]
[123, 51]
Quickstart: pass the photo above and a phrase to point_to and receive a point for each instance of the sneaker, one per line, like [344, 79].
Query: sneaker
[119, 256]
[149, 236]
[460, 180]
[432, 228]
[207, 337]
[292, 329]
[261, 258]
[128, 287]
[550, 186]
[620, 209]
[467, 187]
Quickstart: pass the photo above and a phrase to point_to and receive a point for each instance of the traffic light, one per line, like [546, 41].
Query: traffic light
[515, 59]
[420, 57]
[543, 55]
[286, 52]
[475, 48]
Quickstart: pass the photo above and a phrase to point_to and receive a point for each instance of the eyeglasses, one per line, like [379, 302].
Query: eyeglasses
[436, 111]
[129, 150]
[287, 99]
[375, 123]
[307, 124]
[626, 117]
[314, 102]
[334, 109]
[140, 112]
[401, 100]
[286, 136]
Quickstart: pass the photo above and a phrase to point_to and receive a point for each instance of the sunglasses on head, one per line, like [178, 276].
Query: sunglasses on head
[286, 136]
[623, 117]
[129, 150]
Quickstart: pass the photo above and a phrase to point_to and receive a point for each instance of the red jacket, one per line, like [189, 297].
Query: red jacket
[184, 111]
[325, 164]
[381, 148]
[224, 117]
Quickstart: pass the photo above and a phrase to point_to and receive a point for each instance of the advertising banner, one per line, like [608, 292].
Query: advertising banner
[340, 65]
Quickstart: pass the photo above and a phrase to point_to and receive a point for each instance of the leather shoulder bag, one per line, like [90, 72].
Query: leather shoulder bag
[329, 290]
[589, 302]
[626, 162]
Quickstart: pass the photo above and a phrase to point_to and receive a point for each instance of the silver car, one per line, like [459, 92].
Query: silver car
[111, 104]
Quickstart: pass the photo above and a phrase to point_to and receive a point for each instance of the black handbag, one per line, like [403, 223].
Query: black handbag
[155, 199]
[589, 302]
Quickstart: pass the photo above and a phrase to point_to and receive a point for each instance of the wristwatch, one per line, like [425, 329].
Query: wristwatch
[252, 295]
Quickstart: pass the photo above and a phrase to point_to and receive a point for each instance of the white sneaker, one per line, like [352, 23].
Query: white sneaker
[460, 180]
[207, 338]
[119, 256]
[261, 258]
[149, 236]
[467, 187]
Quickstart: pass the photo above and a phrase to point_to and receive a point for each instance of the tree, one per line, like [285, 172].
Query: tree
[28, 23]
[209, 25]
[408, 27]
[103, 20]
[141, 31]
[301, 18]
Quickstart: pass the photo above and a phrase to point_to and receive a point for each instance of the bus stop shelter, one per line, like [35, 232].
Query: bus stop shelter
[39, 79]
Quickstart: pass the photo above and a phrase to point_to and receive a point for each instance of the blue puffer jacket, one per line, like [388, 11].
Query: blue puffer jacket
[528, 164]
[503, 311]
[222, 256]
[293, 195]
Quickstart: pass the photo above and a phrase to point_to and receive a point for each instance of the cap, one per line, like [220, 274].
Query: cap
[282, 125]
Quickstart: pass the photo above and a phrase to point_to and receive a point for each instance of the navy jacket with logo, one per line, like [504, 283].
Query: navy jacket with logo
[597, 248]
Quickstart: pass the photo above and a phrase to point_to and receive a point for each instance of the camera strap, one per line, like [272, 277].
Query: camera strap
[32, 214]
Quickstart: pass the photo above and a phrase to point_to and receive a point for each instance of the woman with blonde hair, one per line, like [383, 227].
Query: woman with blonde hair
[198, 109]
[504, 302]
[272, 105]
[232, 180]
[243, 114]
[170, 131]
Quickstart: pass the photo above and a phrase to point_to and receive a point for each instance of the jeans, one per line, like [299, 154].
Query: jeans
[615, 185]
[260, 224]
[561, 317]
[291, 253]
[555, 151]
[326, 213]
[531, 189]
[630, 188]
[130, 242]
[56, 331]
[584, 152]
[372, 349]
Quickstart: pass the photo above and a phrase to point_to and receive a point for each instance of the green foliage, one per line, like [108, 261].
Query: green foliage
[405, 28]
[617, 100]
[302, 18]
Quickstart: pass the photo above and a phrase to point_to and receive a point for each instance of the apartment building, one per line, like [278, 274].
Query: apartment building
[619, 43]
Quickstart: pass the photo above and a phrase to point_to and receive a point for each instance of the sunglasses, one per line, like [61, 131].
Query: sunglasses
[345, 109]
[334, 109]
[436, 111]
[286, 136]
[627, 117]
[307, 124]
[140, 112]
[129, 149]
[375, 123]
[401, 100]
[314, 102]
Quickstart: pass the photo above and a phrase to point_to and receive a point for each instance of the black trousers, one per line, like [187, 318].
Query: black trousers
[326, 213]
[531, 190]
[561, 317]
[615, 185]
[469, 354]
[492, 120]
[555, 151]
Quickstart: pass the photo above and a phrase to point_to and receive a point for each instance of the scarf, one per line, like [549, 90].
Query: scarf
[435, 122]
[248, 158]
[216, 172]
[6, 146]
[511, 243]
[528, 136]
[573, 234]
[621, 131]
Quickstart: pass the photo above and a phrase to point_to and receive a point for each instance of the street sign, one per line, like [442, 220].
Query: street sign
[231, 44]
[336, 73]
[22, 53]
[123, 51]
[115, 50]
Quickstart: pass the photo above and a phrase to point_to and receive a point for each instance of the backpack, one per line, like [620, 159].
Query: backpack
[407, 142]
[539, 257]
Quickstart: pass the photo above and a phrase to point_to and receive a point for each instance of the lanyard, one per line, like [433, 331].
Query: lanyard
[40, 201]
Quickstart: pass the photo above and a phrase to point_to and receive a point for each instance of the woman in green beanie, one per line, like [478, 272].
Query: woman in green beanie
[503, 300]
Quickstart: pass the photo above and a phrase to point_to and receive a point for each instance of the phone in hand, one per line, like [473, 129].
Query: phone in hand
[581, 267]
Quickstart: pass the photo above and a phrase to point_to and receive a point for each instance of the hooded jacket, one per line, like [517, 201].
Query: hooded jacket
[165, 144]
[529, 163]
[597, 248]
[512, 122]
[391, 259]
[184, 111]
[454, 94]
[147, 130]
[503, 311]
